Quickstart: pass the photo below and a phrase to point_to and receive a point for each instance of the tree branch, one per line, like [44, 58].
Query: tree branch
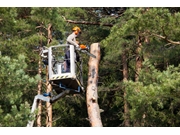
[87, 23]
[168, 40]
[41, 26]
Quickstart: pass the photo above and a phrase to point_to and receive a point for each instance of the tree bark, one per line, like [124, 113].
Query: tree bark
[92, 94]
[39, 92]
[39, 83]
[49, 33]
[139, 61]
[48, 85]
[48, 105]
[125, 78]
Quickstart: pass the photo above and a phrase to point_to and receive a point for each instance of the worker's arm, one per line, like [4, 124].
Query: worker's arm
[70, 40]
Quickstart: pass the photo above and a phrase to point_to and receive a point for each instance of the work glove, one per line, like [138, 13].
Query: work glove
[78, 48]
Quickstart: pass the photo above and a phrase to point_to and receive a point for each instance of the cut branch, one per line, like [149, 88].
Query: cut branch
[87, 23]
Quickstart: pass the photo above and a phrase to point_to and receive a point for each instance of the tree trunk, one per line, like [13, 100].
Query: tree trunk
[39, 83]
[39, 92]
[92, 94]
[125, 78]
[48, 85]
[139, 61]
[48, 105]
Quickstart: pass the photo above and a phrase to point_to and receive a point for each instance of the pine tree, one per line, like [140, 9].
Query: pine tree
[150, 26]
[14, 82]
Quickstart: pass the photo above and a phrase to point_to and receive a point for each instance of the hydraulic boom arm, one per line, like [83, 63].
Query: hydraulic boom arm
[46, 99]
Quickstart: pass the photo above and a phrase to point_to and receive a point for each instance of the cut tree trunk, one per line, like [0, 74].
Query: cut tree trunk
[91, 93]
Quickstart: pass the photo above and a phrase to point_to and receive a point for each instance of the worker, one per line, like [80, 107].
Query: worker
[71, 40]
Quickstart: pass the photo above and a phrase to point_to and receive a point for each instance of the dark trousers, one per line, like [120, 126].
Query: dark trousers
[67, 58]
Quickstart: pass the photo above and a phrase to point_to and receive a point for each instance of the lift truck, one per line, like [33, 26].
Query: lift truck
[62, 82]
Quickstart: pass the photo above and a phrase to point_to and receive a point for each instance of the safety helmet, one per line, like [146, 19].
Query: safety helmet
[76, 28]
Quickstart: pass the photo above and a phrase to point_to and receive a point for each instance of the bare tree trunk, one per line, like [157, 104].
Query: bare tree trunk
[39, 83]
[139, 61]
[48, 85]
[48, 105]
[125, 78]
[39, 92]
[91, 94]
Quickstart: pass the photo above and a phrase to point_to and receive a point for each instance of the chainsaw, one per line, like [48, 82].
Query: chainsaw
[85, 49]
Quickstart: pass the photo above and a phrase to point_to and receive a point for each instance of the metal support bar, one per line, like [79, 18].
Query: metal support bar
[43, 98]
[34, 107]
[47, 99]
[62, 94]
[65, 88]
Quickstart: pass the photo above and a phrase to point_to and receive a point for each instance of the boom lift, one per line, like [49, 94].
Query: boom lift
[63, 83]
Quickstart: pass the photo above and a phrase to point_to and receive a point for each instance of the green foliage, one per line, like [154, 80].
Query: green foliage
[111, 102]
[17, 117]
[155, 95]
[145, 95]
[14, 82]
[70, 111]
